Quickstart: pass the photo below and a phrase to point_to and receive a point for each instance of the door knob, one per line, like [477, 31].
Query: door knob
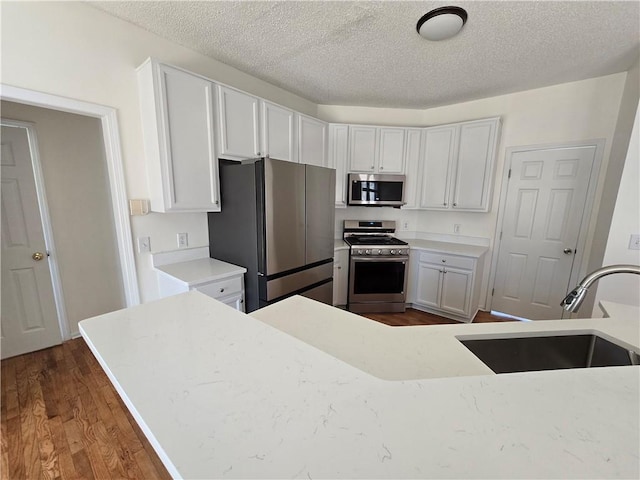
[568, 251]
[37, 256]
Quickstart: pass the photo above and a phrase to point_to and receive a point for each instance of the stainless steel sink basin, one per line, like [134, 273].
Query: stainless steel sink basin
[525, 354]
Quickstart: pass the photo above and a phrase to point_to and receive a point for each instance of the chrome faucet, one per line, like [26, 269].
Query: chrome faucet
[572, 302]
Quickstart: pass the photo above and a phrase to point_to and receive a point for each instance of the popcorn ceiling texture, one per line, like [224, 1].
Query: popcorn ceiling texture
[368, 53]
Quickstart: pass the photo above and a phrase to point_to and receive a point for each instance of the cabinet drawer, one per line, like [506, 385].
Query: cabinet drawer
[448, 260]
[221, 288]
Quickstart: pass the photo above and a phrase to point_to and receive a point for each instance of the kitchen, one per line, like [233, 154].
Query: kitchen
[93, 71]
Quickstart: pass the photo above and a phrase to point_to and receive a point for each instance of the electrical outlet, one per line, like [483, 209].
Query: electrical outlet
[405, 225]
[144, 244]
[634, 242]
[456, 228]
[183, 240]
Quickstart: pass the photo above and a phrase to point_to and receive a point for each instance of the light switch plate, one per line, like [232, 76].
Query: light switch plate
[183, 240]
[634, 242]
[144, 244]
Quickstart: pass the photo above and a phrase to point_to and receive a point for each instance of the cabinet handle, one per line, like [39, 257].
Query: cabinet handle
[444, 260]
[381, 168]
[339, 267]
[221, 290]
[241, 301]
[455, 204]
[445, 204]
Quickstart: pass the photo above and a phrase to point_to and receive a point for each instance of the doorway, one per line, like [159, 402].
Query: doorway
[547, 200]
[117, 213]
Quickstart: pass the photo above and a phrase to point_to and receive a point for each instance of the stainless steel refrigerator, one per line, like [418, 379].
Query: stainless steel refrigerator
[277, 221]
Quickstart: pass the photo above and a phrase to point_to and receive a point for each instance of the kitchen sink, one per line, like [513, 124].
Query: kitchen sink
[525, 354]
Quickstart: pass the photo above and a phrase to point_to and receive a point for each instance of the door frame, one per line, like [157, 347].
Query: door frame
[579, 264]
[113, 155]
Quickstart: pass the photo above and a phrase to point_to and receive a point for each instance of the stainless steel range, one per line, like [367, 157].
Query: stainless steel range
[378, 267]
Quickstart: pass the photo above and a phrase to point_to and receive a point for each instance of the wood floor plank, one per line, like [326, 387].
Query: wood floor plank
[15, 458]
[62, 450]
[109, 451]
[10, 388]
[83, 466]
[30, 446]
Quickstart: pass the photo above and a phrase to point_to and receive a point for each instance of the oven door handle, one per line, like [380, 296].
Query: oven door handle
[380, 259]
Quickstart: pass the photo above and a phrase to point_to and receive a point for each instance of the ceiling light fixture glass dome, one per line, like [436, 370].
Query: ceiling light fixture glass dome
[442, 23]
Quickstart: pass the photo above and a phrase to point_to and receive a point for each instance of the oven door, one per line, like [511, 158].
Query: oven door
[374, 279]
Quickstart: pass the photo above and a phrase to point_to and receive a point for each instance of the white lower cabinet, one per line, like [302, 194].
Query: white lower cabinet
[447, 285]
[226, 286]
[340, 277]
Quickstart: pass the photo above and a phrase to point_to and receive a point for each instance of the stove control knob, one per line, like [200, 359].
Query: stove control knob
[367, 252]
[379, 252]
[392, 252]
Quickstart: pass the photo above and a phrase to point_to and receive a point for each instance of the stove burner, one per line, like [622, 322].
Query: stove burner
[373, 240]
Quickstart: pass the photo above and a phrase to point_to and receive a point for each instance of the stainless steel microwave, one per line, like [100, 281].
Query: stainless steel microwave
[376, 190]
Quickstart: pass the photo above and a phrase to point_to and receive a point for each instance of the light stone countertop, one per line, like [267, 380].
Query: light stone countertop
[202, 270]
[221, 394]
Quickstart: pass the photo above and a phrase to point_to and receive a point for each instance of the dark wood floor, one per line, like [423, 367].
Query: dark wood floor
[416, 317]
[62, 419]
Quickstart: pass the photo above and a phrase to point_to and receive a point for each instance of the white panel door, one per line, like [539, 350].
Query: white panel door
[312, 141]
[278, 137]
[391, 150]
[362, 149]
[239, 124]
[439, 151]
[29, 316]
[545, 203]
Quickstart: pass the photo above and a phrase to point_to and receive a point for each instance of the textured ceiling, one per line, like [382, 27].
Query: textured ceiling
[368, 52]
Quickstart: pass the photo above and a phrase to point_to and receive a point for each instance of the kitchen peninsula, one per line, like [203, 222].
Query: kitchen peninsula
[329, 394]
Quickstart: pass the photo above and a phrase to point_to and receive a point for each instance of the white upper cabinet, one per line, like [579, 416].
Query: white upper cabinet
[412, 157]
[239, 124]
[458, 166]
[363, 149]
[438, 159]
[391, 150]
[473, 181]
[376, 149]
[312, 141]
[178, 121]
[278, 132]
[338, 153]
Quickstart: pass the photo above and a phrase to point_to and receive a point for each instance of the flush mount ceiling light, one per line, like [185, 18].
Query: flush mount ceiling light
[442, 23]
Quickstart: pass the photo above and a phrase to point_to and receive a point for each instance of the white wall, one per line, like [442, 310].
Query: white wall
[76, 182]
[625, 221]
[74, 50]
[572, 112]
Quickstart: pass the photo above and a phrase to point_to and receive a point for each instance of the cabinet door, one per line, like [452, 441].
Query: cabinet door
[428, 285]
[456, 290]
[340, 277]
[391, 150]
[474, 171]
[338, 152]
[312, 138]
[188, 160]
[239, 124]
[234, 301]
[278, 139]
[439, 150]
[412, 155]
[362, 149]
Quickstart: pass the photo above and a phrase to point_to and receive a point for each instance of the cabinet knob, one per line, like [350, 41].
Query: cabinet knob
[455, 204]
[381, 168]
[371, 167]
[221, 290]
[445, 204]
[444, 260]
